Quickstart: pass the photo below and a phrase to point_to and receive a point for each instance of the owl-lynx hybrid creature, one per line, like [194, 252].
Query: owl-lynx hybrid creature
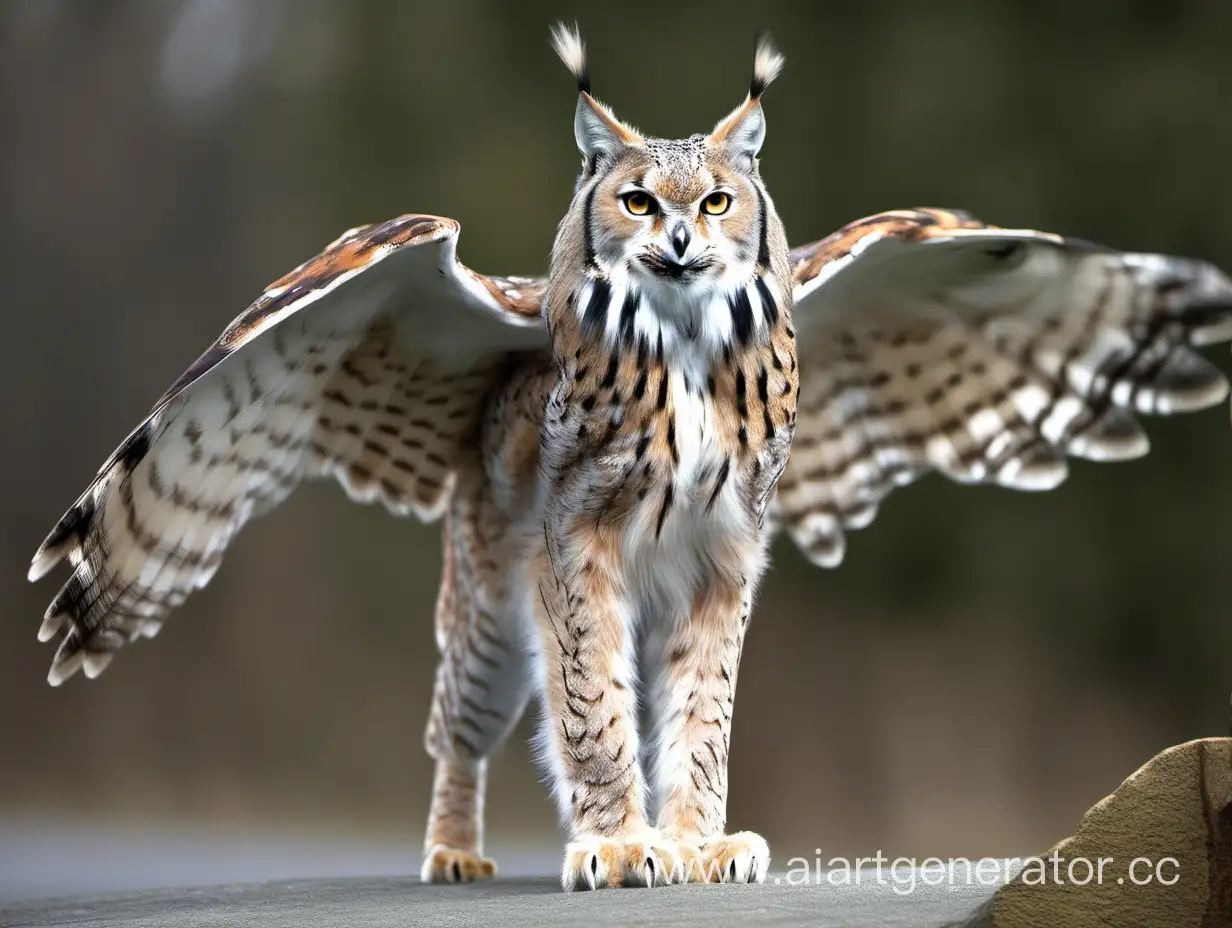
[612, 448]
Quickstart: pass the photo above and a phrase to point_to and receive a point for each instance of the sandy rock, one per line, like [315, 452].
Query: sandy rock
[1165, 841]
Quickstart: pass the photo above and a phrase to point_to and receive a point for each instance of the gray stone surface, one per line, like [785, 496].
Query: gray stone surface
[403, 901]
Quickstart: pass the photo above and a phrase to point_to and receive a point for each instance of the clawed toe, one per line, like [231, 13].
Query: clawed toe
[447, 865]
[740, 858]
[595, 862]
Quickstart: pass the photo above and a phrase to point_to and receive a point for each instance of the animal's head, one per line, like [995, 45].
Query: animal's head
[680, 218]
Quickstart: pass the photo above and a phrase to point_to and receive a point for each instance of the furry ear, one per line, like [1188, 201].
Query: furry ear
[743, 130]
[598, 132]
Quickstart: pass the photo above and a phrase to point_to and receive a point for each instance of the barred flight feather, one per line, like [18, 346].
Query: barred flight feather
[931, 342]
[928, 342]
[612, 447]
[367, 362]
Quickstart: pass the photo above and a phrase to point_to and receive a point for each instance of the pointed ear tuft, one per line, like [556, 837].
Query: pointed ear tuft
[568, 44]
[767, 63]
[598, 132]
[743, 130]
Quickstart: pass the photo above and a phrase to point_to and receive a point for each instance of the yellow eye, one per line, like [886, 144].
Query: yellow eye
[639, 203]
[716, 204]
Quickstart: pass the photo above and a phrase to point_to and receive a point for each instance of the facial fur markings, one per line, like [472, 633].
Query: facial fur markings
[328, 393]
[752, 308]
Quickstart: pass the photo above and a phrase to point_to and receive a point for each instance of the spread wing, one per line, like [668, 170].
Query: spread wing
[929, 341]
[368, 362]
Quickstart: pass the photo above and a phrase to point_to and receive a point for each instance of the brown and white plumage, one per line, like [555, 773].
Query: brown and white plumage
[368, 362]
[929, 341]
[605, 477]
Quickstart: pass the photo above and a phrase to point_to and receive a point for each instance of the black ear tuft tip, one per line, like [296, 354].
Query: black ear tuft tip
[767, 63]
[568, 44]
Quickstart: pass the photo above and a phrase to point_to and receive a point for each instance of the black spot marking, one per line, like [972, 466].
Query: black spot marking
[720, 480]
[663, 510]
[587, 211]
[639, 388]
[742, 315]
[595, 316]
[763, 231]
[768, 305]
[609, 378]
[628, 312]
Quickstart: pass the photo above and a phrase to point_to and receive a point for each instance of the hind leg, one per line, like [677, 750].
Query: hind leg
[482, 685]
[453, 848]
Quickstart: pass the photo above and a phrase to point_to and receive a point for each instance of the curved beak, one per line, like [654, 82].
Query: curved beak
[681, 236]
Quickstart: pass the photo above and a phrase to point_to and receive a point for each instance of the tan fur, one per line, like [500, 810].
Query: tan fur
[604, 495]
[722, 132]
[703, 656]
[576, 514]
[626, 134]
[613, 448]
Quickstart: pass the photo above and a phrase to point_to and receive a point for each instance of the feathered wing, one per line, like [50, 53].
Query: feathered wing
[368, 362]
[929, 341]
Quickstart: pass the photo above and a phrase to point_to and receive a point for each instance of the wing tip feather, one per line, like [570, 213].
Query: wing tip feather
[51, 626]
[44, 562]
[67, 535]
[95, 662]
[63, 667]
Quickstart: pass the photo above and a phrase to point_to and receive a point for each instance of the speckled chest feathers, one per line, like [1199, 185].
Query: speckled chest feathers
[669, 309]
[609, 480]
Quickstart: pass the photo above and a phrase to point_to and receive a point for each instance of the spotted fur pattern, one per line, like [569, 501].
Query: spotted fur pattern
[610, 480]
[669, 423]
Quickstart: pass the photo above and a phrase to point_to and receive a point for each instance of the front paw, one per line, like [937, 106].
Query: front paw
[447, 865]
[740, 858]
[596, 862]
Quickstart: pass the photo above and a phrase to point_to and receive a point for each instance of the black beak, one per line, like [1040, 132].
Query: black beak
[681, 239]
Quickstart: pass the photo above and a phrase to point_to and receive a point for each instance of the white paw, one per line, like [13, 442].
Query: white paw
[596, 862]
[447, 865]
[652, 862]
[589, 861]
[740, 858]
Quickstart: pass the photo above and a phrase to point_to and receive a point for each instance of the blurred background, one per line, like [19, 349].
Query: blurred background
[983, 668]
